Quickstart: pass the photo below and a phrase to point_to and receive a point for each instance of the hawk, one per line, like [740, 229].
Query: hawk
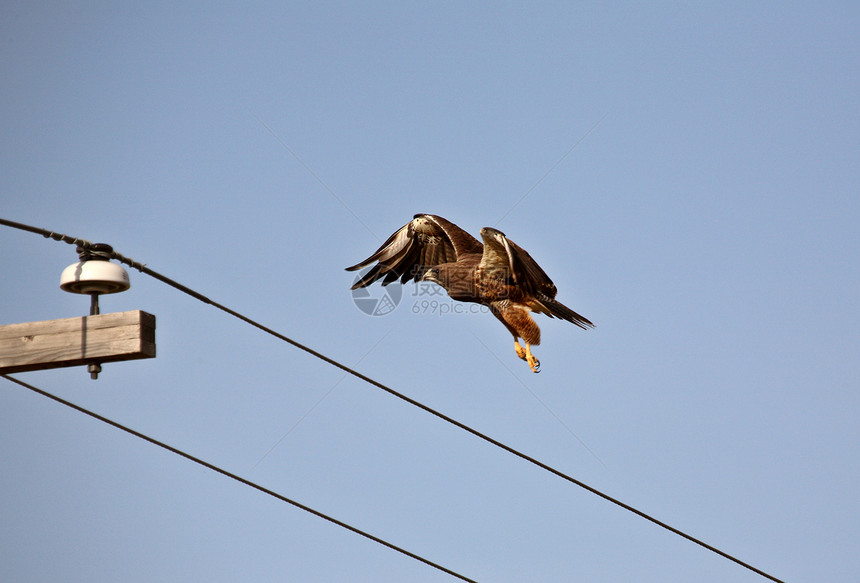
[498, 274]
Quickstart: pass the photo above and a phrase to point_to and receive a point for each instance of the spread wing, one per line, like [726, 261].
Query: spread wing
[504, 259]
[424, 242]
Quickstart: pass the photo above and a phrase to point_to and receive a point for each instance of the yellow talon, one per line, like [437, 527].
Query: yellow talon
[526, 354]
[534, 363]
[520, 350]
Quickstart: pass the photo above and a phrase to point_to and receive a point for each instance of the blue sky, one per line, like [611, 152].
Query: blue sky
[688, 176]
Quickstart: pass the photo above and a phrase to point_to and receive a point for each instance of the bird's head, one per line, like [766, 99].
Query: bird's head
[491, 232]
[433, 274]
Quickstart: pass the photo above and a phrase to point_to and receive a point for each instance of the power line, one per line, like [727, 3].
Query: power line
[237, 478]
[389, 390]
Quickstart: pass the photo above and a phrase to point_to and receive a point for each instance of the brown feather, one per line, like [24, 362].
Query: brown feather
[498, 273]
[424, 242]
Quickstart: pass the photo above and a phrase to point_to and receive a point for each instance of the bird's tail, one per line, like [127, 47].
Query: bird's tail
[554, 308]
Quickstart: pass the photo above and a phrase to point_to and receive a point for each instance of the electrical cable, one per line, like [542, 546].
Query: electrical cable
[142, 268]
[235, 477]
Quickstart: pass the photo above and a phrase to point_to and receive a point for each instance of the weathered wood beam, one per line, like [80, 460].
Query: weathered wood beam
[77, 341]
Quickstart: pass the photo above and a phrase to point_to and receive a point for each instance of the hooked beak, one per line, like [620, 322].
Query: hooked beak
[431, 275]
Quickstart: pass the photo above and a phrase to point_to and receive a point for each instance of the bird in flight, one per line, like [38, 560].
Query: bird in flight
[498, 274]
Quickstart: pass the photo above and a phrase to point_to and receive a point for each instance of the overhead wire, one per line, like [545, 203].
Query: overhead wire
[236, 477]
[142, 268]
